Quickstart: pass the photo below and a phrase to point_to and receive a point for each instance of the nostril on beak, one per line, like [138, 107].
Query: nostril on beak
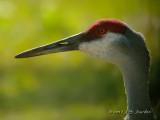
[64, 43]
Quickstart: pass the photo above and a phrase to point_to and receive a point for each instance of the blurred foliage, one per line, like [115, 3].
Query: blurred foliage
[72, 85]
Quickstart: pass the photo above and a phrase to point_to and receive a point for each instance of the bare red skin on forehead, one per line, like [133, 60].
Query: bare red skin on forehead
[109, 25]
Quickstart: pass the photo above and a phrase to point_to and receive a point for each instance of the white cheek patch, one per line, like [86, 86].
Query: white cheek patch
[103, 48]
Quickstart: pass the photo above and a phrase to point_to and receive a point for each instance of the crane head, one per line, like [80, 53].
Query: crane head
[106, 39]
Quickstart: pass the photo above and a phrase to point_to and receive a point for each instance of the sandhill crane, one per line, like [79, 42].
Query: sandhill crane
[113, 41]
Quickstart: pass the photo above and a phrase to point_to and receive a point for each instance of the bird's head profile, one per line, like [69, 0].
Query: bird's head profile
[106, 39]
[114, 41]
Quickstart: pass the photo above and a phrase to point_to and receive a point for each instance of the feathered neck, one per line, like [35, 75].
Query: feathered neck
[135, 73]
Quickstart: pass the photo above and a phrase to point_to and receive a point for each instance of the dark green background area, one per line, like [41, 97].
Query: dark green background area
[71, 85]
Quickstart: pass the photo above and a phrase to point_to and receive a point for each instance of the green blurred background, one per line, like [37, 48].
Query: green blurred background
[71, 85]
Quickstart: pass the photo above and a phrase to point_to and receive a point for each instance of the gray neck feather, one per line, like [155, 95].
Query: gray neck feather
[136, 72]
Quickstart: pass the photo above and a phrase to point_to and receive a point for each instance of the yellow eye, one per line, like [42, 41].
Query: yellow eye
[102, 31]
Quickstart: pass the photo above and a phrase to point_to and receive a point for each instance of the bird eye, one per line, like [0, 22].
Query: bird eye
[102, 31]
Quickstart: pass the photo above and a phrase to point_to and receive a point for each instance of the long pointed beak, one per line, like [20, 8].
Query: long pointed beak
[67, 44]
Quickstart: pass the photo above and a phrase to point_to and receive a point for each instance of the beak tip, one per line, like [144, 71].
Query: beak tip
[18, 56]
